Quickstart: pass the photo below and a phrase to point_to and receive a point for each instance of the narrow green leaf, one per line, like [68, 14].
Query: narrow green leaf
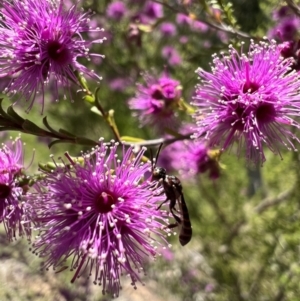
[45, 122]
[85, 141]
[14, 116]
[131, 139]
[59, 141]
[66, 133]
[95, 110]
[32, 128]
[89, 98]
[2, 112]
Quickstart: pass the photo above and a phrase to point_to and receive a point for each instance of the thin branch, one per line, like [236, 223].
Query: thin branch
[158, 141]
[235, 230]
[269, 202]
[224, 27]
[260, 208]
[108, 116]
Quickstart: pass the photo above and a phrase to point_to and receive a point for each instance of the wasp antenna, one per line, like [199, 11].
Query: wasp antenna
[151, 159]
[154, 161]
[158, 152]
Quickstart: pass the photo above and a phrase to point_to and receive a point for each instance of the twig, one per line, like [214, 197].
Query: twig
[269, 202]
[158, 141]
[91, 98]
[108, 116]
[10, 120]
[235, 230]
[224, 27]
[260, 208]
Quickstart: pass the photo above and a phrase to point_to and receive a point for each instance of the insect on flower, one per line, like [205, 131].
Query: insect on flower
[174, 195]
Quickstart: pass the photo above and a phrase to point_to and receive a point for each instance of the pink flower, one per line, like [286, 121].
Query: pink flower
[39, 41]
[102, 214]
[15, 212]
[155, 101]
[250, 98]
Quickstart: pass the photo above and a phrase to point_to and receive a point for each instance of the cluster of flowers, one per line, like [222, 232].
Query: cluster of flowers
[286, 31]
[141, 15]
[102, 211]
[251, 98]
[138, 18]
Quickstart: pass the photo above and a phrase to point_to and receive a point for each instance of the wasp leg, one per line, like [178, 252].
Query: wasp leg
[177, 218]
[160, 193]
[162, 204]
[154, 185]
[171, 226]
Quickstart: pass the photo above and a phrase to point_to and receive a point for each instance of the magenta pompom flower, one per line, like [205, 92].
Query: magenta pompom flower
[286, 29]
[251, 98]
[41, 40]
[116, 10]
[153, 10]
[190, 158]
[102, 214]
[14, 210]
[156, 100]
[168, 29]
[286, 25]
[194, 157]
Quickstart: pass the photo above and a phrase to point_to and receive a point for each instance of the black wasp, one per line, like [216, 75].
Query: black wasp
[173, 191]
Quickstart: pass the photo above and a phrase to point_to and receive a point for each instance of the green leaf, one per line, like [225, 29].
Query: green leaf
[131, 139]
[85, 141]
[89, 98]
[95, 110]
[54, 142]
[145, 28]
[66, 133]
[14, 116]
[2, 112]
[45, 122]
[50, 166]
[33, 129]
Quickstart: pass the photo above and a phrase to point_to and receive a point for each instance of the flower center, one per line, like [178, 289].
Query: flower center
[104, 202]
[58, 52]
[240, 113]
[250, 87]
[265, 113]
[157, 94]
[4, 191]
[169, 91]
